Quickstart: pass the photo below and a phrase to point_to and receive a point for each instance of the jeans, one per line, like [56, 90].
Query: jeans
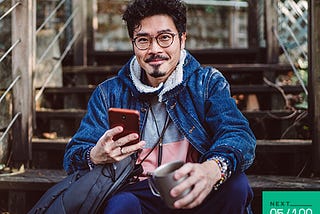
[233, 197]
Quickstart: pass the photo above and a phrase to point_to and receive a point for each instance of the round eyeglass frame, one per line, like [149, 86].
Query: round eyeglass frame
[155, 37]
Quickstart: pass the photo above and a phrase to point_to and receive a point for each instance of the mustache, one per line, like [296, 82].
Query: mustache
[156, 57]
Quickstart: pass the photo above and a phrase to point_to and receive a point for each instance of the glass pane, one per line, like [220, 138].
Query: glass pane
[213, 24]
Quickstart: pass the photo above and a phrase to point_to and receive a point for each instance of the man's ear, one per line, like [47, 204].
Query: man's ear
[183, 38]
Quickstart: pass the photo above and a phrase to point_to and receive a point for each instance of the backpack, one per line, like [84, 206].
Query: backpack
[85, 191]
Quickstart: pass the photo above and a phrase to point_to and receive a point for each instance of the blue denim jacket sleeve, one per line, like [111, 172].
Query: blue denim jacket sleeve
[231, 134]
[92, 127]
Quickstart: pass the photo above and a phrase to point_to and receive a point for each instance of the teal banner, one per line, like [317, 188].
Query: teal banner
[291, 202]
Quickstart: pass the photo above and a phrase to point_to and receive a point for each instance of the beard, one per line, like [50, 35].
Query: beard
[156, 72]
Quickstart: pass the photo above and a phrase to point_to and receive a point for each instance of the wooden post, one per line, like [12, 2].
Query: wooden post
[314, 79]
[253, 20]
[23, 30]
[90, 31]
[80, 25]
[271, 18]
[272, 45]
[17, 197]
[234, 27]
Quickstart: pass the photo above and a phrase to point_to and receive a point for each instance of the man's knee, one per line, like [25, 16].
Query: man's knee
[122, 202]
[238, 188]
[237, 191]
[234, 196]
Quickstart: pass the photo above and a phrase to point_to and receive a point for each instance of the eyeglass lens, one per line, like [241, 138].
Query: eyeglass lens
[164, 40]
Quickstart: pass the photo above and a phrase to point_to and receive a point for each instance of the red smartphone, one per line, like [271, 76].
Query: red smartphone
[128, 119]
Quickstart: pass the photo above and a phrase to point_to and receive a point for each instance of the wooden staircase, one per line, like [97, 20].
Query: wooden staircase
[278, 161]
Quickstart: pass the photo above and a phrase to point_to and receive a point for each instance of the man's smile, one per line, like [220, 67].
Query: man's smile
[156, 60]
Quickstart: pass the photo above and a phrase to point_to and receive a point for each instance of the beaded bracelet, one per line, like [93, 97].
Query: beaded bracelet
[224, 169]
[89, 162]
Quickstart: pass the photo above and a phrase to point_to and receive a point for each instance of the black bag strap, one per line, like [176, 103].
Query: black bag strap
[138, 167]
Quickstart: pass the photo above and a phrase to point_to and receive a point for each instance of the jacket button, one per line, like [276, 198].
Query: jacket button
[172, 106]
[143, 110]
[191, 130]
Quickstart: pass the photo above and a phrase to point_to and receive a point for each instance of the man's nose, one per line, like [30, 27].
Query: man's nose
[154, 46]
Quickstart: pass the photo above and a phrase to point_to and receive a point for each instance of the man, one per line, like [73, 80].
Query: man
[202, 125]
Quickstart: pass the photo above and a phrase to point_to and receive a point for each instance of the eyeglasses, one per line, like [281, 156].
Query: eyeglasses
[164, 40]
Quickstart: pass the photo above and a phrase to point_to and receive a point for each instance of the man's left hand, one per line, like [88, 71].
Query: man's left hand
[202, 178]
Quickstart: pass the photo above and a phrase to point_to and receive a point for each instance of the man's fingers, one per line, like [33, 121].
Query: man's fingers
[126, 139]
[111, 150]
[108, 135]
[183, 171]
[132, 148]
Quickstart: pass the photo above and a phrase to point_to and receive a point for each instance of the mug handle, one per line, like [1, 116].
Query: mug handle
[153, 188]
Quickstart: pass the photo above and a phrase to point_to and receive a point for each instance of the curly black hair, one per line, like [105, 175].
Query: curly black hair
[140, 9]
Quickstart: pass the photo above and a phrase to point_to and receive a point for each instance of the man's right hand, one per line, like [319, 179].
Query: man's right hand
[109, 151]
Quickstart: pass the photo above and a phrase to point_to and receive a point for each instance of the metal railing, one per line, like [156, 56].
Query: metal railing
[8, 12]
[291, 62]
[58, 35]
[291, 33]
[23, 55]
[293, 27]
[12, 120]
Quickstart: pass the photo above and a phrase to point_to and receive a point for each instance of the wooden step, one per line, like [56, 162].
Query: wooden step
[273, 157]
[265, 89]
[48, 153]
[31, 179]
[61, 122]
[92, 70]
[43, 144]
[274, 182]
[273, 114]
[21, 187]
[70, 90]
[60, 113]
[283, 144]
[19, 192]
[252, 68]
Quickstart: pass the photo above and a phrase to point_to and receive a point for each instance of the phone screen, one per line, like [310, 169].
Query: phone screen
[127, 118]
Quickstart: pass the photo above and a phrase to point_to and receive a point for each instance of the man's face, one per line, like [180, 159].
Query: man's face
[157, 61]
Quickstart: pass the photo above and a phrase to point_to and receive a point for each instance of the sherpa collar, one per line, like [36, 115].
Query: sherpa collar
[173, 80]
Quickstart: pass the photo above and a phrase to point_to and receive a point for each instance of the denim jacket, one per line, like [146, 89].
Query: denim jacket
[201, 107]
